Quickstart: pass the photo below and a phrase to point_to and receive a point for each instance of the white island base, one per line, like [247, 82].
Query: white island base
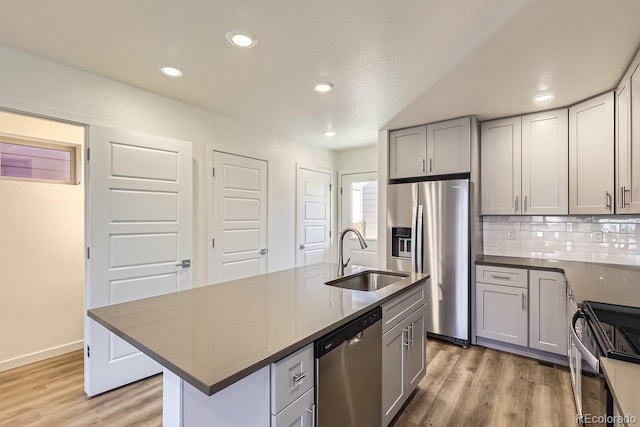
[244, 403]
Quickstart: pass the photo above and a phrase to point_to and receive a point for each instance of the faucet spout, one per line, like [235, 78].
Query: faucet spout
[363, 245]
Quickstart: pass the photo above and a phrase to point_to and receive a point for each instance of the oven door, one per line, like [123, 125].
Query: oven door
[589, 384]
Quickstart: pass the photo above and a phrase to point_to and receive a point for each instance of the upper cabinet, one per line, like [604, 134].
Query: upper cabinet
[408, 152]
[545, 158]
[448, 147]
[437, 149]
[524, 165]
[500, 168]
[628, 141]
[591, 162]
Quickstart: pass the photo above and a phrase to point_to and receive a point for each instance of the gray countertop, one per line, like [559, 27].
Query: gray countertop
[607, 283]
[624, 382]
[214, 335]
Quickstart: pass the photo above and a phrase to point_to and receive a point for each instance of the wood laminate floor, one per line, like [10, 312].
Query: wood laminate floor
[463, 387]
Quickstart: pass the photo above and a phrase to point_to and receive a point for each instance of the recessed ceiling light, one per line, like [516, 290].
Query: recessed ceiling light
[241, 39]
[543, 97]
[171, 72]
[323, 87]
[329, 133]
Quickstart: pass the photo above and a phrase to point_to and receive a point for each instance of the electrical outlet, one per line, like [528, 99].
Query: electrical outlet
[597, 236]
[511, 234]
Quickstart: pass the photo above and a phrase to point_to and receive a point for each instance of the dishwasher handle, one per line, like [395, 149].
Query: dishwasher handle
[350, 334]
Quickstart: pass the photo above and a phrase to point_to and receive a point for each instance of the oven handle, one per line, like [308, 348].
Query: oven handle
[586, 354]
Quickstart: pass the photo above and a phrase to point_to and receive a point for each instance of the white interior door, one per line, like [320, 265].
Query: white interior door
[139, 231]
[239, 217]
[359, 209]
[313, 213]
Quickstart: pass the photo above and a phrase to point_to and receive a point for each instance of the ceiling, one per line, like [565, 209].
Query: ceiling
[393, 63]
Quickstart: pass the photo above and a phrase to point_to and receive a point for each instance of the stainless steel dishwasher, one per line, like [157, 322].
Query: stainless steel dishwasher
[349, 374]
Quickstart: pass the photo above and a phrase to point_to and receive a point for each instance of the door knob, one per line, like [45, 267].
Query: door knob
[264, 251]
[301, 245]
[186, 263]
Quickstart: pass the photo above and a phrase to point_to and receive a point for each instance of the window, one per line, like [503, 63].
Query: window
[37, 161]
[364, 208]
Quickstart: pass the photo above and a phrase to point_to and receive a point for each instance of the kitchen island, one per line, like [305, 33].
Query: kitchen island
[213, 337]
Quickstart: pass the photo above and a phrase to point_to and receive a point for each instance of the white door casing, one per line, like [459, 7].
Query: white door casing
[239, 220]
[313, 215]
[139, 229]
[365, 257]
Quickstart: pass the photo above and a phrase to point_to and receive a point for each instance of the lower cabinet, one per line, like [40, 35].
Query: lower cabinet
[403, 362]
[502, 313]
[522, 307]
[292, 391]
[548, 312]
[300, 413]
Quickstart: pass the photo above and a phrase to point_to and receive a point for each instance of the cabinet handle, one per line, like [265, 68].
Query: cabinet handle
[423, 167]
[299, 377]
[406, 344]
[412, 337]
[430, 165]
[524, 302]
[626, 191]
[516, 204]
[607, 200]
[495, 276]
[312, 411]
[525, 203]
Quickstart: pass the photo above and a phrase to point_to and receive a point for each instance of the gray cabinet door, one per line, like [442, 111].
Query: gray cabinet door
[416, 351]
[502, 313]
[547, 312]
[393, 367]
[449, 147]
[408, 152]
[591, 162]
[545, 168]
[500, 170]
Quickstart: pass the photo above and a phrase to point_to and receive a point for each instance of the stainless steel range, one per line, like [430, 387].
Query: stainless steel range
[600, 330]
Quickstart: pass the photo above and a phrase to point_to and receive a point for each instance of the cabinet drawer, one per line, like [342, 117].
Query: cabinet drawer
[291, 377]
[299, 414]
[502, 276]
[400, 307]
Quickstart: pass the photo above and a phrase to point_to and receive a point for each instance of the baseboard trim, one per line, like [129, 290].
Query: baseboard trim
[37, 356]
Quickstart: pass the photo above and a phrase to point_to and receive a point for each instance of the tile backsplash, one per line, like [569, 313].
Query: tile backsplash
[605, 239]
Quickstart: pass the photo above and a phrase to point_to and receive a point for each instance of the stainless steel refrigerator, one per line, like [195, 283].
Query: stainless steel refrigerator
[428, 231]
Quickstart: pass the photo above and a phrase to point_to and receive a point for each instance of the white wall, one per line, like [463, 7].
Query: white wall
[41, 255]
[361, 159]
[36, 85]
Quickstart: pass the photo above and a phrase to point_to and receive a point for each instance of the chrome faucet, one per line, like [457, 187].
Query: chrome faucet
[363, 245]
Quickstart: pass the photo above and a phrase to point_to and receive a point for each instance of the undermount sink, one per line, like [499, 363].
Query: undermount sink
[368, 280]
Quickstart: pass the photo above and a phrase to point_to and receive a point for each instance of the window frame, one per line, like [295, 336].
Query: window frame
[75, 159]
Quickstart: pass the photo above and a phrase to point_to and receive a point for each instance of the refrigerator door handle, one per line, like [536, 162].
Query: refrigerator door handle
[414, 213]
[418, 241]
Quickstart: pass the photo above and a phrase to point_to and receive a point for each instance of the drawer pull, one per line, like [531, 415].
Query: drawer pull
[299, 377]
[495, 276]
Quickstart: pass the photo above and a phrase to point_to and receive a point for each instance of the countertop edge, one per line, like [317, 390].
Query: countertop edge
[210, 390]
[612, 389]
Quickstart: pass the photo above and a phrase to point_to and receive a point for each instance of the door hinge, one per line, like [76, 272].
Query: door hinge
[88, 253]
[329, 233]
[88, 351]
[213, 243]
[213, 172]
[330, 187]
[341, 191]
[88, 154]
